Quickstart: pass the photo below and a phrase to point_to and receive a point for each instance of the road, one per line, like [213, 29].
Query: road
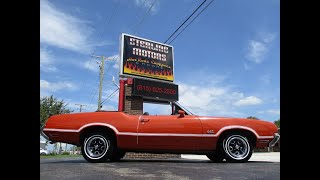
[182, 169]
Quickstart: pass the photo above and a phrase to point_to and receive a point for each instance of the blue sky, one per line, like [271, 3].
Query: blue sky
[227, 62]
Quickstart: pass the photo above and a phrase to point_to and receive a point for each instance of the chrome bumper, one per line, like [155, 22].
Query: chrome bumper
[44, 135]
[275, 139]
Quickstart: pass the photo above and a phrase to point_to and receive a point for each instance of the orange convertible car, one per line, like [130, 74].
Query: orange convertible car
[107, 135]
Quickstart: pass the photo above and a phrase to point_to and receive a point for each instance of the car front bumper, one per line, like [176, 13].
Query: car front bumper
[274, 140]
[44, 135]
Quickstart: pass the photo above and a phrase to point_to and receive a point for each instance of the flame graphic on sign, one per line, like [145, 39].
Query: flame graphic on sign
[134, 69]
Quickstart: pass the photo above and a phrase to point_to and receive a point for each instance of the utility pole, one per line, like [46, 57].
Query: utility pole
[80, 106]
[101, 77]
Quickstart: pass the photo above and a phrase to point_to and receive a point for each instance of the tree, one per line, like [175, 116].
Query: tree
[277, 123]
[50, 106]
[252, 117]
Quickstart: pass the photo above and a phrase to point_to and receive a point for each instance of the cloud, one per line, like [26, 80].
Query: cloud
[268, 37]
[114, 59]
[157, 109]
[273, 111]
[248, 101]
[258, 48]
[206, 96]
[209, 99]
[46, 86]
[147, 4]
[91, 65]
[117, 62]
[62, 30]
[46, 61]
[45, 57]
[196, 96]
[270, 111]
[257, 51]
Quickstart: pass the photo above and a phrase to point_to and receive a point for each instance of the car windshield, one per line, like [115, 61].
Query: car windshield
[183, 108]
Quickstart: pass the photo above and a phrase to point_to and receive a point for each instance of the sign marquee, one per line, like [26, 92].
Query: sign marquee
[155, 90]
[146, 59]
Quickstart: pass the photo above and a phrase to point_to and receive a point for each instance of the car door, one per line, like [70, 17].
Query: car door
[169, 132]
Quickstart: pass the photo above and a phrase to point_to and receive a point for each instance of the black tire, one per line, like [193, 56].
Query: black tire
[43, 153]
[215, 156]
[235, 148]
[117, 156]
[97, 147]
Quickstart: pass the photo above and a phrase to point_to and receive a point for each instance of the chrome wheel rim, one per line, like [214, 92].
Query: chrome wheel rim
[237, 147]
[96, 146]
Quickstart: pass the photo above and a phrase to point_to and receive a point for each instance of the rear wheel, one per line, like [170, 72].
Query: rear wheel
[215, 156]
[97, 147]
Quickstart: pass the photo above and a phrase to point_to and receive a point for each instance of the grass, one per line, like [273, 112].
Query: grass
[60, 156]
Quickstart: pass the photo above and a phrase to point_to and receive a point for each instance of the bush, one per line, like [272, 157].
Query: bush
[65, 153]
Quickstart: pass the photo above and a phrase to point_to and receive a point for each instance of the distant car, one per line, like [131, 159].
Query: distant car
[43, 152]
[77, 152]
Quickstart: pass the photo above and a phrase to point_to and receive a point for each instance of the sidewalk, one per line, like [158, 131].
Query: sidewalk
[258, 156]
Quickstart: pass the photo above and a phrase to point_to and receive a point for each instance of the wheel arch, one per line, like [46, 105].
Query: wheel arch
[98, 128]
[252, 137]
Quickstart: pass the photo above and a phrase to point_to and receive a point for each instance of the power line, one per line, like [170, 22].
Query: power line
[138, 25]
[137, 14]
[185, 20]
[111, 61]
[110, 65]
[100, 34]
[94, 92]
[190, 22]
[109, 97]
[101, 77]
[107, 83]
[112, 14]
[100, 37]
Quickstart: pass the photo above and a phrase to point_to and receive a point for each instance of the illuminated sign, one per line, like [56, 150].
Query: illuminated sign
[155, 90]
[145, 58]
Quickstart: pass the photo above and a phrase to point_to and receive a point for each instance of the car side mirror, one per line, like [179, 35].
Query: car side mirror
[181, 113]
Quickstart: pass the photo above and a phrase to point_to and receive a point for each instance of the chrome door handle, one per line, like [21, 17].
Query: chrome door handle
[144, 120]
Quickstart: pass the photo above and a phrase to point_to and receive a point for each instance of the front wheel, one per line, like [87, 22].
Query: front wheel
[236, 148]
[97, 147]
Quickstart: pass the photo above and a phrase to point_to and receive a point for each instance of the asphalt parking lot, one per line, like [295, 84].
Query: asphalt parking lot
[195, 167]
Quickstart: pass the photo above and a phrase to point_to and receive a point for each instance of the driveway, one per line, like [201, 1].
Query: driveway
[77, 168]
